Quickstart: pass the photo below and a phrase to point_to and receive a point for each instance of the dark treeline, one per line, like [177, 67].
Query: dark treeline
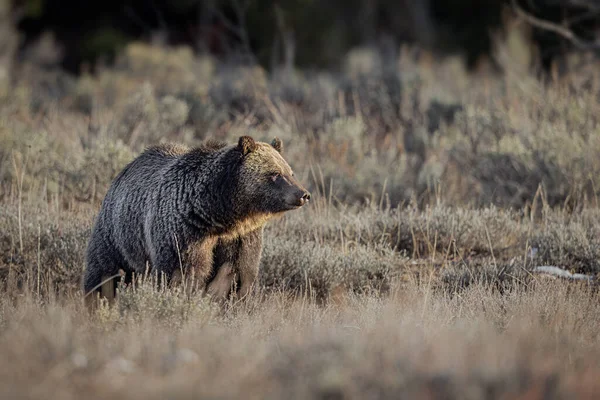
[304, 33]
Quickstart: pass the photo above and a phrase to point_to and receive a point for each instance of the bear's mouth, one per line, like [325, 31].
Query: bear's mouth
[290, 207]
[294, 206]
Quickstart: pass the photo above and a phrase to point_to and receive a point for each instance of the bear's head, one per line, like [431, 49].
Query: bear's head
[266, 180]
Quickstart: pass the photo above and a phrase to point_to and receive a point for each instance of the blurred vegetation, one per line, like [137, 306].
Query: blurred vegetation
[390, 132]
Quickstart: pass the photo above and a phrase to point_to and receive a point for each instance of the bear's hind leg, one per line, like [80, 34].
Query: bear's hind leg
[102, 269]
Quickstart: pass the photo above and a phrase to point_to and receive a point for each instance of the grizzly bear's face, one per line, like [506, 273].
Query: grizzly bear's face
[266, 179]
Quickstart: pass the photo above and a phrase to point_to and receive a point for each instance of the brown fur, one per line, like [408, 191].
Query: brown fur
[220, 286]
[171, 149]
[248, 225]
[198, 258]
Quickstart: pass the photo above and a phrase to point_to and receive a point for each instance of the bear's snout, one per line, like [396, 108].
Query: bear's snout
[305, 198]
[294, 194]
[297, 198]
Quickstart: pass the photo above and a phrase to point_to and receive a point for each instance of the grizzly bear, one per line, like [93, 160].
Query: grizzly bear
[200, 211]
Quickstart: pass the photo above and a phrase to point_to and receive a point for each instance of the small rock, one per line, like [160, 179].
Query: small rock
[122, 365]
[187, 356]
[561, 273]
[79, 360]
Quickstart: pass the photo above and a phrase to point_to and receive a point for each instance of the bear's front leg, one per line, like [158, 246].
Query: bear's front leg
[194, 265]
[220, 286]
[248, 260]
[242, 256]
[237, 258]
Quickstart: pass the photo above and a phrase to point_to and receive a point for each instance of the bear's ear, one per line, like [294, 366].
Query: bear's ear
[277, 145]
[247, 145]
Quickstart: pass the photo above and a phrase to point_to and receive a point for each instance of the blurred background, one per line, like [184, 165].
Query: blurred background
[385, 102]
[298, 33]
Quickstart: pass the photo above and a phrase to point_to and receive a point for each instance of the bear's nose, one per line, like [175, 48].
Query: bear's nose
[305, 198]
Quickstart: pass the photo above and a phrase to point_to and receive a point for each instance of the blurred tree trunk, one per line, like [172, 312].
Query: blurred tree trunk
[288, 40]
[204, 34]
[8, 46]
[423, 27]
[368, 21]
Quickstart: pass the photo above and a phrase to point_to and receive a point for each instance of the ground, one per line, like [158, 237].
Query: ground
[410, 275]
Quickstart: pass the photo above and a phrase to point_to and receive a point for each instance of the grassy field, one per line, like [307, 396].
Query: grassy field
[411, 275]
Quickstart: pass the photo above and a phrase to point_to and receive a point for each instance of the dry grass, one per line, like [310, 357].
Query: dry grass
[531, 343]
[409, 276]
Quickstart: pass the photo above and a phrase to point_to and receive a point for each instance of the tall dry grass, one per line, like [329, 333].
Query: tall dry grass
[533, 342]
[411, 275]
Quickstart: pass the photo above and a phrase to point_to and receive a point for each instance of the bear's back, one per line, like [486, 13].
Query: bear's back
[168, 150]
[132, 195]
[146, 167]
[146, 170]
